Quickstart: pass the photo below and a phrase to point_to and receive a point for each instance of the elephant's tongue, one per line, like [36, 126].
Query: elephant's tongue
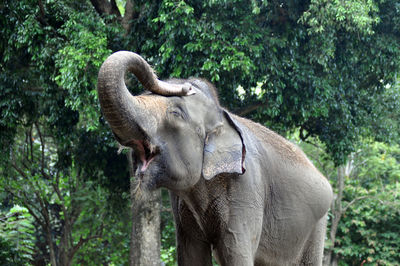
[147, 162]
[142, 148]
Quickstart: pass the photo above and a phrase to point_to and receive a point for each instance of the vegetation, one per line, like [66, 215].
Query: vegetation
[369, 230]
[364, 218]
[323, 71]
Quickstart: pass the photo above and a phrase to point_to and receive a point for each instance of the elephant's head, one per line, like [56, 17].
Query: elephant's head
[177, 129]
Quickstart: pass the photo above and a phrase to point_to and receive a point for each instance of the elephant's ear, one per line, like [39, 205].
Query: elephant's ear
[224, 150]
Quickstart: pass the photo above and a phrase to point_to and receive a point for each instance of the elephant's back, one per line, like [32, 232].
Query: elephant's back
[270, 139]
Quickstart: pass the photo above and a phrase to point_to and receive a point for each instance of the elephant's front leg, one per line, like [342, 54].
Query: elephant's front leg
[190, 249]
[192, 252]
[238, 244]
[229, 252]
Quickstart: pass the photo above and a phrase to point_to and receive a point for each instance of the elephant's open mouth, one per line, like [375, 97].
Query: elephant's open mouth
[147, 152]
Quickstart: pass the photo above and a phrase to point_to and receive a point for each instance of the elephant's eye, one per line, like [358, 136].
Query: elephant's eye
[178, 114]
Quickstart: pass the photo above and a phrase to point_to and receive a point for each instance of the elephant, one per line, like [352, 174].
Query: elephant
[239, 191]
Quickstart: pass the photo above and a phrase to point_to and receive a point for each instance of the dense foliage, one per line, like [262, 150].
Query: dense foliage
[368, 221]
[16, 237]
[324, 68]
[369, 230]
[49, 121]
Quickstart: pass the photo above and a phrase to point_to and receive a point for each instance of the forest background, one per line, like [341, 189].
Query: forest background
[323, 73]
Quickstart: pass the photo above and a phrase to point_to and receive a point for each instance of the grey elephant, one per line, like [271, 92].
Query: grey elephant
[238, 190]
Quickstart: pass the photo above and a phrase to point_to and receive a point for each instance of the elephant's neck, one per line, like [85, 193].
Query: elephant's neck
[197, 198]
[208, 203]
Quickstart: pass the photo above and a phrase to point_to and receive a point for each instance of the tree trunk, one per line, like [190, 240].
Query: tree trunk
[53, 259]
[337, 209]
[145, 237]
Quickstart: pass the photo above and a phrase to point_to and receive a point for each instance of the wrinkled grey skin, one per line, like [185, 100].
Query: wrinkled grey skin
[238, 190]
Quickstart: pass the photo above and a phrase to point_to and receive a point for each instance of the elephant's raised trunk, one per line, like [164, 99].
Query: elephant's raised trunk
[120, 108]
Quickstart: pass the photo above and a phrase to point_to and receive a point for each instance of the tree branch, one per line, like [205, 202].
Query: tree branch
[14, 165]
[27, 205]
[4, 218]
[25, 149]
[33, 214]
[42, 146]
[105, 7]
[352, 202]
[30, 143]
[42, 14]
[68, 220]
[80, 243]
[129, 15]
[250, 108]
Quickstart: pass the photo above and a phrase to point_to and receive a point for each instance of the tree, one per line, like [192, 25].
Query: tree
[49, 114]
[368, 232]
[69, 209]
[363, 218]
[145, 235]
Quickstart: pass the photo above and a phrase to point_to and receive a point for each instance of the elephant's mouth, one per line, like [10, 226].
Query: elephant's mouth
[146, 151]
